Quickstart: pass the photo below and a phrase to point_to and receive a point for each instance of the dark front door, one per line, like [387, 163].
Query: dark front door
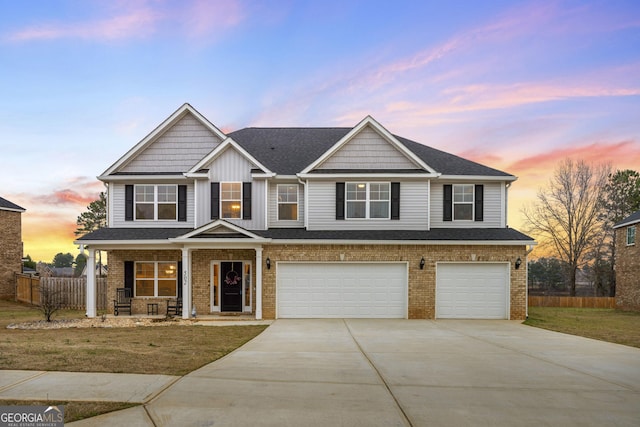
[231, 286]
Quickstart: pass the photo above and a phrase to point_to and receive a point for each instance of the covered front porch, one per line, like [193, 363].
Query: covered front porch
[215, 271]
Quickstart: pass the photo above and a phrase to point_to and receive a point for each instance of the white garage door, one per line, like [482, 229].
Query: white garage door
[341, 290]
[472, 291]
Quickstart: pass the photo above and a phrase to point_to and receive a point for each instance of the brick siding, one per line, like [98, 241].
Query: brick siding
[627, 271]
[422, 283]
[10, 252]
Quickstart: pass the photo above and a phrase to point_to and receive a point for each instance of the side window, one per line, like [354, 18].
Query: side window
[288, 202]
[463, 202]
[631, 235]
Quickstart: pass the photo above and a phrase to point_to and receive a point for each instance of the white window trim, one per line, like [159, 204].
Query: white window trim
[367, 202]
[156, 279]
[454, 203]
[231, 200]
[635, 235]
[288, 203]
[155, 202]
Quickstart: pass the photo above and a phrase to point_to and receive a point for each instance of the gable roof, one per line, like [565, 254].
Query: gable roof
[631, 219]
[6, 205]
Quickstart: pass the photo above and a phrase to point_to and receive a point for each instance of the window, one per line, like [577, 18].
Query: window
[156, 279]
[631, 235]
[156, 202]
[368, 200]
[231, 199]
[463, 202]
[288, 202]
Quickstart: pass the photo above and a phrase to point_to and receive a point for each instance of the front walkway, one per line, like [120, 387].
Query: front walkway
[401, 373]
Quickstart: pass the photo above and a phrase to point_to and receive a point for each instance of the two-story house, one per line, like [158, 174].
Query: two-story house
[627, 263]
[308, 222]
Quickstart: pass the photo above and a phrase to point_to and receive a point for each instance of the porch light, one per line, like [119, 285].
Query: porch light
[268, 263]
[422, 264]
[518, 263]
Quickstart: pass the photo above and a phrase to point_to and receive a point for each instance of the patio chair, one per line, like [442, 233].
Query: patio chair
[174, 307]
[122, 301]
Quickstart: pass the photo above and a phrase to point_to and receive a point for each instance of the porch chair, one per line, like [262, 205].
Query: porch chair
[174, 307]
[122, 301]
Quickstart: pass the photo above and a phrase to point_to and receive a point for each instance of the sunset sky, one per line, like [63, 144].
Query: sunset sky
[515, 85]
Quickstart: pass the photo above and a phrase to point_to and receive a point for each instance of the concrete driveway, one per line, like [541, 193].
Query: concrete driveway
[405, 373]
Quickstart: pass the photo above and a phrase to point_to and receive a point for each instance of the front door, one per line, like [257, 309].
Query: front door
[231, 286]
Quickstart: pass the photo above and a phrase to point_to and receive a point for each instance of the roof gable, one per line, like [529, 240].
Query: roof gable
[218, 229]
[174, 146]
[631, 219]
[220, 150]
[349, 153]
[6, 205]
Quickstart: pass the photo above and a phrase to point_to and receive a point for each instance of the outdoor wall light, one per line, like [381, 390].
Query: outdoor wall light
[518, 263]
[269, 263]
[422, 264]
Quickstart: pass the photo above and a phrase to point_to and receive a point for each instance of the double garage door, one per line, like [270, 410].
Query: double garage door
[379, 290]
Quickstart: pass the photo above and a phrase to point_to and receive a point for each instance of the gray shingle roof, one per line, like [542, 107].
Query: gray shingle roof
[633, 218]
[287, 151]
[7, 205]
[436, 234]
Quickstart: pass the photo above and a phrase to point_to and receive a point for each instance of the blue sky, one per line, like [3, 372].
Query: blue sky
[516, 85]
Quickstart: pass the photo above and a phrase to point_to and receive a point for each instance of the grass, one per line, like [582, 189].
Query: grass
[616, 326]
[169, 350]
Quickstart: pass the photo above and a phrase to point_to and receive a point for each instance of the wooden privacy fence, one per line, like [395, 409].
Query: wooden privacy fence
[575, 302]
[71, 292]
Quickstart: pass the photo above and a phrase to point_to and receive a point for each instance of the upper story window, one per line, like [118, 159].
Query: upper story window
[231, 200]
[631, 235]
[368, 200]
[156, 202]
[463, 202]
[156, 279]
[288, 202]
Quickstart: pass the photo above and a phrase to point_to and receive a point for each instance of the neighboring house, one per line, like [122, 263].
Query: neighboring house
[628, 262]
[10, 247]
[308, 222]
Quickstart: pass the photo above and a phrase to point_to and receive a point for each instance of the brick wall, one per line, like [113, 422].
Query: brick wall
[421, 282]
[627, 271]
[10, 251]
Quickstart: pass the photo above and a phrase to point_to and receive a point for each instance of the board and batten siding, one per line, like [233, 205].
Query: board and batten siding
[117, 210]
[367, 150]
[414, 209]
[176, 150]
[231, 166]
[493, 206]
[272, 213]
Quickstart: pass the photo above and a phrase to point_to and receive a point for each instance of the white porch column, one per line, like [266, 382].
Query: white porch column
[186, 283]
[258, 283]
[92, 293]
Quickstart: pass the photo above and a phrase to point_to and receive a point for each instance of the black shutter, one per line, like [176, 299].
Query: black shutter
[128, 202]
[479, 202]
[447, 207]
[182, 202]
[339, 200]
[246, 200]
[129, 275]
[215, 200]
[395, 200]
[179, 279]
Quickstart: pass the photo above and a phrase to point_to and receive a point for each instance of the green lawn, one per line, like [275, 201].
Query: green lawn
[621, 327]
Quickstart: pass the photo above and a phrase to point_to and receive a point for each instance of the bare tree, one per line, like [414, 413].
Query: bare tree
[51, 300]
[566, 214]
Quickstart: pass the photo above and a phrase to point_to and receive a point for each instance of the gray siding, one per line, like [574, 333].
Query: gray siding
[414, 207]
[493, 206]
[117, 208]
[177, 150]
[273, 207]
[368, 150]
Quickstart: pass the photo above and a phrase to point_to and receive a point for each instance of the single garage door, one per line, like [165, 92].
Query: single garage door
[472, 291]
[320, 290]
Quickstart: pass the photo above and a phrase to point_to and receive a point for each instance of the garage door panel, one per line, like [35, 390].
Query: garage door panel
[342, 290]
[472, 290]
